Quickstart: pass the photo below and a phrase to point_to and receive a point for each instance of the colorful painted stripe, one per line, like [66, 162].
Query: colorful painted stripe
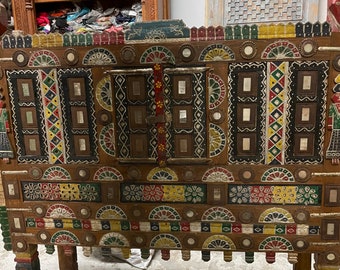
[45, 191]
[194, 193]
[275, 194]
[172, 226]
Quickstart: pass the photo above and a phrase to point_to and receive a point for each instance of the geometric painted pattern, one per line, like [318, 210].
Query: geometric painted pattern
[280, 50]
[162, 174]
[99, 57]
[217, 91]
[43, 58]
[68, 102]
[274, 194]
[52, 112]
[107, 139]
[164, 213]
[111, 212]
[43, 191]
[107, 173]
[189, 193]
[157, 55]
[218, 174]
[39, 130]
[219, 242]
[104, 93]
[217, 140]
[165, 241]
[218, 213]
[173, 226]
[256, 130]
[275, 115]
[277, 174]
[59, 211]
[317, 98]
[64, 238]
[276, 215]
[198, 102]
[114, 239]
[56, 173]
[216, 52]
[276, 243]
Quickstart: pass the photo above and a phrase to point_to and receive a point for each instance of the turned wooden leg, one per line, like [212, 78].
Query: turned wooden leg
[304, 262]
[67, 256]
[28, 260]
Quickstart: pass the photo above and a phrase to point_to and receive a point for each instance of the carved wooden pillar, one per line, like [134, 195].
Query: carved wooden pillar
[24, 16]
[67, 256]
[304, 262]
[28, 259]
[154, 10]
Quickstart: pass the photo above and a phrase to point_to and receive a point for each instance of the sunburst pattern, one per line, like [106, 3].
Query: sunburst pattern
[167, 241]
[276, 243]
[218, 214]
[107, 173]
[104, 93]
[56, 173]
[162, 174]
[281, 49]
[217, 140]
[64, 238]
[217, 52]
[277, 174]
[217, 174]
[114, 239]
[164, 212]
[219, 242]
[276, 215]
[111, 212]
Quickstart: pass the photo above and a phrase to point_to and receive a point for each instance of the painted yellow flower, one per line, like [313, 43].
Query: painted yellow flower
[174, 193]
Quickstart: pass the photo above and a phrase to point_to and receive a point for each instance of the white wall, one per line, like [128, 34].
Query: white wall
[192, 12]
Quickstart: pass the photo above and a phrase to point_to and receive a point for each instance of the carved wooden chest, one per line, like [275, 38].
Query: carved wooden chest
[165, 137]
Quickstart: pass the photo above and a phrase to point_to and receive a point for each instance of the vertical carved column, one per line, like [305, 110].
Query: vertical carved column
[29, 259]
[67, 256]
[150, 10]
[24, 16]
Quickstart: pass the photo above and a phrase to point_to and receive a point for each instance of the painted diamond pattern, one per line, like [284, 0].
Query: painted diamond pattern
[53, 123]
[277, 93]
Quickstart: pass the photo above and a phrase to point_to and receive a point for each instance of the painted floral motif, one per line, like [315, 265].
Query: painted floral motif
[164, 193]
[88, 192]
[308, 195]
[174, 193]
[152, 193]
[32, 191]
[69, 192]
[50, 191]
[261, 194]
[275, 194]
[194, 194]
[133, 193]
[284, 194]
[239, 194]
[36, 191]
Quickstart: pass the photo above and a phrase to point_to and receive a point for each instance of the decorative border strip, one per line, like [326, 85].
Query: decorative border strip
[194, 193]
[168, 32]
[44, 191]
[172, 226]
[275, 194]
